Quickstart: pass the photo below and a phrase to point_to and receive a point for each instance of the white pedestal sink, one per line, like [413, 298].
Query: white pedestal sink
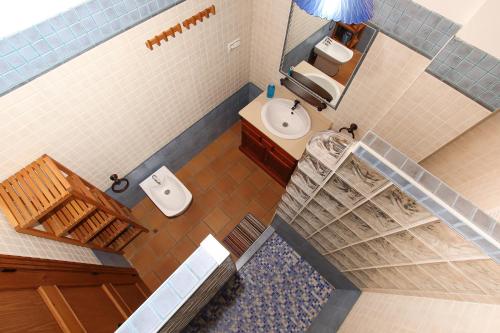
[279, 119]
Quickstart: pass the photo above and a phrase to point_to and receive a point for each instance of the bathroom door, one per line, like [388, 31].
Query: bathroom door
[38, 295]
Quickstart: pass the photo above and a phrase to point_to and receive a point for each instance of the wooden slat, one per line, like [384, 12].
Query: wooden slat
[126, 237]
[68, 216]
[60, 309]
[117, 300]
[57, 172]
[110, 233]
[25, 215]
[9, 208]
[92, 225]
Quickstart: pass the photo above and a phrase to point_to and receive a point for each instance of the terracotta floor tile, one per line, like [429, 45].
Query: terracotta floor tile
[205, 178]
[238, 172]
[216, 220]
[259, 178]
[235, 207]
[161, 242]
[225, 186]
[184, 173]
[178, 227]
[198, 163]
[151, 281]
[193, 187]
[199, 233]
[141, 240]
[143, 208]
[165, 266]
[246, 190]
[267, 197]
[257, 210]
[143, 259]
[248, 163]
[195, 213]
[156, 220]
[183, 249]
[220, 164]
[209, 200]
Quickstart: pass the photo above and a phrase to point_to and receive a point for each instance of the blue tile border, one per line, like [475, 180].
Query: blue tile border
[413, 25]
[459, 204]
[189, 143]
[40, 48]
[469, 70]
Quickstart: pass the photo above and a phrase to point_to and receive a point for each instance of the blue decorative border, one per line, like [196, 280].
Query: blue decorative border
[432, 184]
[469, 70]
[413, 25]
[34, 51]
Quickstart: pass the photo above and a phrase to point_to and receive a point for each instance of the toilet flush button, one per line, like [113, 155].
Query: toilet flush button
[233, 45]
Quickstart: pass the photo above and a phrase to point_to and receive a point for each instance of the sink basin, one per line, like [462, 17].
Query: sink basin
[167, 192]
[279, 119]
[333, 51]
[327, 83]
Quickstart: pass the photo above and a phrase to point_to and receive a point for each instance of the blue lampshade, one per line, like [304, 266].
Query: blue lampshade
[347, 11]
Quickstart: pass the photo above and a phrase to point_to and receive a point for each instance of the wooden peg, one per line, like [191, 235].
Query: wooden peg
[165, 35]
[158, 40]
[177, 28]
[149, 44]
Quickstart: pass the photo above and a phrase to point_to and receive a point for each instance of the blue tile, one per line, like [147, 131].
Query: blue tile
[110, 14]
[88, 24]
[488, 62]
[415, 192]
[106, 31]
[106, 3]
[78, 29]
[100, 19]
[487, 81]
[4, 66]
[5, 47]
[50, 59]
[432, 205]
[144, 11]
[13, 78]
[93, 6]
[58, 23]
[28, 53]
[485, 245]
[42, 46]
[449, 218]
[14, 59]
[26, 72]
[54, 41]
[83, 11]
[17, 41]
[384, 169]
[32, 34]
[45, 28]
[126, 20]
[130, 5]
[398, 180]
[120, 9]
[153, 7]
[71, 17]
[65, 35]
[96, 36]
[4, 85]
[116, 26]
[135, 16]
[85, 42]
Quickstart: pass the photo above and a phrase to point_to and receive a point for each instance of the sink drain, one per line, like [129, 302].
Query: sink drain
[166, 192]
[285, 124]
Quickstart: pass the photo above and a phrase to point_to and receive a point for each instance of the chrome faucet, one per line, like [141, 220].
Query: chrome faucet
[295, 104]
[155, 178]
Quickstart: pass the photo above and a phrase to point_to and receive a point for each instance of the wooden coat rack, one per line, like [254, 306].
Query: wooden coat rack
[164, 36]
[193, 20]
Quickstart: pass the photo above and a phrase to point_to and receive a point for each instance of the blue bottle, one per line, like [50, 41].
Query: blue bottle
[270, 90]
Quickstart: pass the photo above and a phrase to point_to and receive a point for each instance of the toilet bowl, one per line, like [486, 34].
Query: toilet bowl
[167, 192]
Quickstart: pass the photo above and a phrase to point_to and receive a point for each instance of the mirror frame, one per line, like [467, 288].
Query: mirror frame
[315, 95]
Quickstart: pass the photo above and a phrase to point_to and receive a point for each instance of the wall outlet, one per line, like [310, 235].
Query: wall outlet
[233, 45]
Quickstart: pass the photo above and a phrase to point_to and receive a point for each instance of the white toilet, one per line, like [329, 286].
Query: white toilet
[167, 192]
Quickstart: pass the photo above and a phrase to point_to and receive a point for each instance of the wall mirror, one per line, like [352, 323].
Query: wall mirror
[323, 56]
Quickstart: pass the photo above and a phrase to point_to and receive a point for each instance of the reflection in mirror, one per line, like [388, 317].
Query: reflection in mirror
[323, 56]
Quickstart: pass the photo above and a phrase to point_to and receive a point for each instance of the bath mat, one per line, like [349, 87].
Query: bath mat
[244, 235]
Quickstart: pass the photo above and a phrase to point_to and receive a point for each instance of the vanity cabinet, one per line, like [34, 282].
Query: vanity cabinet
[267, 154]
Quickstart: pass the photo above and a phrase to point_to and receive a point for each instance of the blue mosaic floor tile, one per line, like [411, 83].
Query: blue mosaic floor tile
[276, 291]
